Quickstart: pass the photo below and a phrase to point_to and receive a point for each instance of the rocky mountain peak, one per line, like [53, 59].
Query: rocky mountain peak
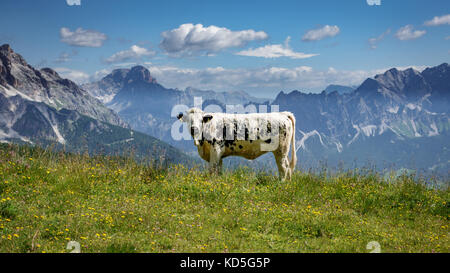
[118, 75]
[5, 47]
[392, 71]
[8, 56]
[50, 71]
[139, 74]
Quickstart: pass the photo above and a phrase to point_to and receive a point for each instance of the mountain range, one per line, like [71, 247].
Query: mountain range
[398, 119]
[40, 107]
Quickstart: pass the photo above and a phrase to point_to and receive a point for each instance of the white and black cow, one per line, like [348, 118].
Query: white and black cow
[218, 135]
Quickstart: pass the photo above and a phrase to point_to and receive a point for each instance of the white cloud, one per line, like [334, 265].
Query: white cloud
[439, 20]
[73, 2]
[262, 81]
[275, 51]
[321, 33]
[189, 39]
[82, 37]
[408, 33]
[74, 75]
[373, 42]
[134, 53]
[419, 68]
[267, 79]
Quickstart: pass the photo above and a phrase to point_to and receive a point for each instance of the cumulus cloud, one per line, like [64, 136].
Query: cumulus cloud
[73, 2]
[275, 51]
[439, 20]
[321, 33]
[189, 39]
[77, 76]
[82, 37]
[373, 42]
[134, 53]
[408, 33]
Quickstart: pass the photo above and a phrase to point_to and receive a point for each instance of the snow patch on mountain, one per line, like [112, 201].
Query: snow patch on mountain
[11, 135]
[413, 124]
[393, 110]
[10, 91]
[412, 106]
[358, 131]
[301, 142]
[435, 131]
[369, 130]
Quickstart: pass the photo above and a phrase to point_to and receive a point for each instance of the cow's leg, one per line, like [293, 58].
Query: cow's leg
[281, 157]
[281, 164]
[215, 160]
[287, 167]
[220, 166]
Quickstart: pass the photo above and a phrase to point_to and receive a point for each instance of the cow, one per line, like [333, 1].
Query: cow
[219, 135]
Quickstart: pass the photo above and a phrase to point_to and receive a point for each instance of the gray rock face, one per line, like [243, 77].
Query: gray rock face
[17, 77]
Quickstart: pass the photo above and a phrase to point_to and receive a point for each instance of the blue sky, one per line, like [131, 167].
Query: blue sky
[240, 45]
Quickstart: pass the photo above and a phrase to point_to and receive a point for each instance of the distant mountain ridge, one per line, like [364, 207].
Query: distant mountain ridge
[395, 109]
[341, 89]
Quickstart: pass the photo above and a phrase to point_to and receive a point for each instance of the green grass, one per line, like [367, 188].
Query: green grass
[112, 204]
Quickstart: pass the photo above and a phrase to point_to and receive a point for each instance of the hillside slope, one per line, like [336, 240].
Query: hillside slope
[111, 204]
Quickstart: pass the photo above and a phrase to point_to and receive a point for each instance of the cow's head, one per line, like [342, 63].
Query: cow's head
[195, 118]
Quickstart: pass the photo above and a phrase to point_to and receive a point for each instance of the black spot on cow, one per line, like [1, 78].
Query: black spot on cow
[224, 132]
[235, 129]
[268, 141]
[207, 118]
[269, 127]
[221, 143]
[229, 143]
[212, 142]
[247, 134]
[240, 147]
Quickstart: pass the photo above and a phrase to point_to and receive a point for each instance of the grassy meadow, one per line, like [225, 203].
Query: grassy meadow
[114, 204]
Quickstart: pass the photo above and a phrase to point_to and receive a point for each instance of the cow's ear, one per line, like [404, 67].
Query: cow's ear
[207, 118]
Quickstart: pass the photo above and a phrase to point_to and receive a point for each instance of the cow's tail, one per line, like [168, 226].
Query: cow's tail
[293, 162]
